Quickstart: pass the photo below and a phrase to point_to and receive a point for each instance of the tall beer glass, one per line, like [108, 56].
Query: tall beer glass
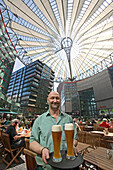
[56, 134]
[69, 134]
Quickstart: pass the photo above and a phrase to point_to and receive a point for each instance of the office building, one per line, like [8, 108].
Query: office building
[30, 86]
[92, 96]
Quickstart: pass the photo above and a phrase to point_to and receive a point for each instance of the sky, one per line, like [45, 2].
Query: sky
[18, 64]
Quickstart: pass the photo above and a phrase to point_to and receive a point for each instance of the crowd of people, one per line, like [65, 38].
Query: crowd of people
[103, 122]
[41, 136]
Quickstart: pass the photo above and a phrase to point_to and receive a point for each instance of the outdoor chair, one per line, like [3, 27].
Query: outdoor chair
[9, 151]
[95, 126]
[0, 136]
[27, 143]
[1, 144]
[111, 130]
[93, 140]
[30, 159]
[82, 136]
[99, 128]
[106, 143]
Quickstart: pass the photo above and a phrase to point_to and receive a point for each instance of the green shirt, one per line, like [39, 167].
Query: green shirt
[41, 132]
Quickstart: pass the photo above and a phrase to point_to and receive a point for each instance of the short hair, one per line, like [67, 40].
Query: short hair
[15, 121]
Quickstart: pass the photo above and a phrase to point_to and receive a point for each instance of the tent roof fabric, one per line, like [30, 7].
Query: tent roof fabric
[42, 25]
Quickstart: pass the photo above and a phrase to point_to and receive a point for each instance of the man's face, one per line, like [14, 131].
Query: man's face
[54, 100]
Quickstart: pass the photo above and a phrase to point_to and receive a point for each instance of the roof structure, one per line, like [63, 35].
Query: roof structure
[73, 37]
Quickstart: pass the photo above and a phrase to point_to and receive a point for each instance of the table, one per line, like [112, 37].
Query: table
[98, 132]
[102, 133]
[98, 157]
[4, 127]
[82, 147]
[109, 134]
[27, 135]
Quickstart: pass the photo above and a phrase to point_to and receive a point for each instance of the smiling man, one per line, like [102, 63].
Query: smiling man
[41, 135]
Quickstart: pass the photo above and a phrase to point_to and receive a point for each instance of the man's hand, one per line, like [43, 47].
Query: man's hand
[45, 155]
[75, 151]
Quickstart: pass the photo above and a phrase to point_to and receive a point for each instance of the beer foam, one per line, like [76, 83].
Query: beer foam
[69, 126]
[56, 128]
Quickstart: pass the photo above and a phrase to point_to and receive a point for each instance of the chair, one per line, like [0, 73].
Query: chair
[93, 139]
[9, 150]
[30, 159]
[99, 128]
[27, 143]
[1, 144]
[0, 136]
[82, 136]
[95, 126]
[111, 130]
[106, 143]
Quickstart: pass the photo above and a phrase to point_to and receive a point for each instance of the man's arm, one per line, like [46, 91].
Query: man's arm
[36, 147]
[75, 143]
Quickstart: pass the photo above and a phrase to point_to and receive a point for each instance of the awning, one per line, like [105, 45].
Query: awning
[3, 109]
[6, 112]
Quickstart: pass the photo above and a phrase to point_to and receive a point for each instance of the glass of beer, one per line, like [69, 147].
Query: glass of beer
[69, 134]
[56, 135]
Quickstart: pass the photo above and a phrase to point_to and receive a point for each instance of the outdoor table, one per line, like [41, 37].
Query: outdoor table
[27, 134]
[98, 157]
[109, 135]
[98, 132]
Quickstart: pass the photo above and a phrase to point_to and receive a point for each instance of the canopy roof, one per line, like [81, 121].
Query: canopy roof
[6, 112]
[73, 37]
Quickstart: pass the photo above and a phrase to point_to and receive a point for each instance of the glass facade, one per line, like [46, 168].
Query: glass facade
[70, 95]
[78, 103]
[30, 86]
[88, 106]
[7, 56]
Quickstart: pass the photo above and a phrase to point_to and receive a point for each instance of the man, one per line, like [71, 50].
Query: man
[41, 135]
[104, 123]
[15, 139]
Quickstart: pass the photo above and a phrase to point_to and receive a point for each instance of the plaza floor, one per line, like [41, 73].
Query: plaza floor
[14, 166]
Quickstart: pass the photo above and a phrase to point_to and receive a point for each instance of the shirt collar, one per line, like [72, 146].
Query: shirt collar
[48, 113]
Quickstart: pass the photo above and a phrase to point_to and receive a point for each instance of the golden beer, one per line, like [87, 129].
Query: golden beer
[56, 135]
[69, 134]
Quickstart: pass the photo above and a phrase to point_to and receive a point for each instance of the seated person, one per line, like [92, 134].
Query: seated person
[104, 123]
[15, 139]
[111, 123]
[93, 121]
[8, 121]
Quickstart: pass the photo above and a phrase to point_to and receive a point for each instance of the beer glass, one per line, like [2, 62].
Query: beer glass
[69, 134]
[56, 135]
